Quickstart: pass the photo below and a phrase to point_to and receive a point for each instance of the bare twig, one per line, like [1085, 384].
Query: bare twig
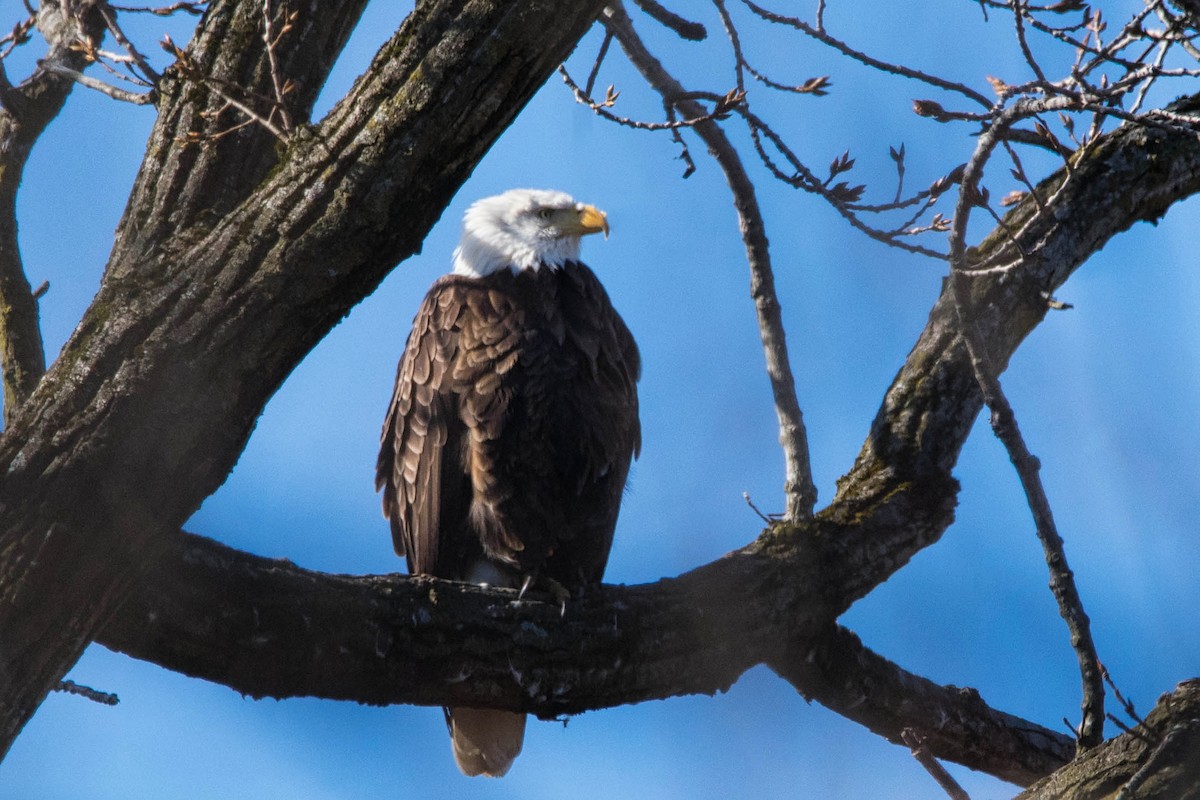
[766, 518]
[110, 21]
[193, 7]
[802, 178]
[822, 36]
[932, 766]
[137, 98]
[721, 107]
[96, 696]
[1004, 424]
[800, 491]
[189, 70]
[270, 39]
[1019, 9]
[18, 36]
[686, 29]
[1127, 705]
[600, 56]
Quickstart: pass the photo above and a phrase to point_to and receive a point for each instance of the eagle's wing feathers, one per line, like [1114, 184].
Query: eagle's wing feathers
[421, 428]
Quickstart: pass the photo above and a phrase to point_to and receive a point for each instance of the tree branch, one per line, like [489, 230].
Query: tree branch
[799, 489]
[932, 766]
[954, 723]
[392, 639]
[125, 96]
[1004, 424]
[686, 29]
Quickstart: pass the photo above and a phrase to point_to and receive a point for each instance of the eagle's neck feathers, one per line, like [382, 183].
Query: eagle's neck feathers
[480, 254]
[523, 229]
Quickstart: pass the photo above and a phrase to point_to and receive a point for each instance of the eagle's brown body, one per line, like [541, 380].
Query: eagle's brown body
[513, 423]
[512, 427]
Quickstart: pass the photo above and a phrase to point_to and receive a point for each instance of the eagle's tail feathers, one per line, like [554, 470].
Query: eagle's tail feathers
[485, 741]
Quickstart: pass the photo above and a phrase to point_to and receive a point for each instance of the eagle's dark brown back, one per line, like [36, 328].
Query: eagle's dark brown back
[512, 426]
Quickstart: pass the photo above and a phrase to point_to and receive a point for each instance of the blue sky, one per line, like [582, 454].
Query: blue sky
[1106, 394]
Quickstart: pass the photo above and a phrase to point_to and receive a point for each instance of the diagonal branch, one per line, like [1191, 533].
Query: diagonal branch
[954, 723]
[1004, 423]
[799, 489]
[410, 640]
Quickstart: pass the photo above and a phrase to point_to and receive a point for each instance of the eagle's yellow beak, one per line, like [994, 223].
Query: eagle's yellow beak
[593, 220]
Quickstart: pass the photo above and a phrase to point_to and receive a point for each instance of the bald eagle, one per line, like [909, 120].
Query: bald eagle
[514, 419]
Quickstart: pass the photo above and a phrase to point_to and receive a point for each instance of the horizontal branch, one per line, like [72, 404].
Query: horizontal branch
[124, 95]
[281, 631]
[286, 631]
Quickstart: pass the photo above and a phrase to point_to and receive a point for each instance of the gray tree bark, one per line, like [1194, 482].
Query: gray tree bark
[233, 260]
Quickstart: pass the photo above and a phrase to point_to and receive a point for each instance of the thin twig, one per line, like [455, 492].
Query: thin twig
[925, 758]
[96, 696]
[601, 108]
[110, 21]
[801, 493]
[1004, 424]
[194, 7]
[600, 56]
[189, 70]
[1127, 705]
[1019, 9]
[138, 99]
[822, 36]
[686, 29]
[270, 40]
[766, 518]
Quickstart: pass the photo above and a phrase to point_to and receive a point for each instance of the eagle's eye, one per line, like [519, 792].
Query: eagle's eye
[545, 213]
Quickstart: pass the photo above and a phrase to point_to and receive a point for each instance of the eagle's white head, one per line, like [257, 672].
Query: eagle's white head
[524, 229]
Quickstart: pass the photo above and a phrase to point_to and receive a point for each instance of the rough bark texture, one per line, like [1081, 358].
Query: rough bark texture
[280, 631]
[1158, 760]
[223, 277]
[220, 281]
[953, 723]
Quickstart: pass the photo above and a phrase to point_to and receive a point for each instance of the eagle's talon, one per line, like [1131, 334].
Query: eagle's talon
[561, 593]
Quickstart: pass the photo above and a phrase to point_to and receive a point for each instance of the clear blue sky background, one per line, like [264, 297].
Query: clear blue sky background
[1106, 394]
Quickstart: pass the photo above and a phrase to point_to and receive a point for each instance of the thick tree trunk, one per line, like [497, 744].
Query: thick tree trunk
[220, 282]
